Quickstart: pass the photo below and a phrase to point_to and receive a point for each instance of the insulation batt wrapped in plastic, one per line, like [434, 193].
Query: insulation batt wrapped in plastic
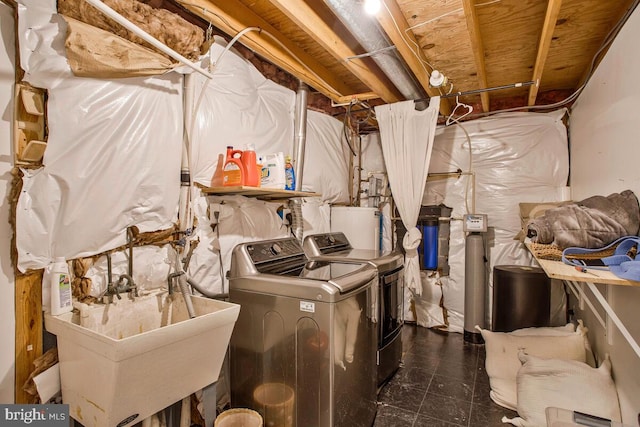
[113, 158]
[238, 107]
[113, 152]
[262, 115]
[516, 157]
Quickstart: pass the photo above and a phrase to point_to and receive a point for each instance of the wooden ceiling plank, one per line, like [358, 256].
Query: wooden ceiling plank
[553, 9]
[306, 18]
[357, 97]
[395, 25]
[231, 16]
[473, 26]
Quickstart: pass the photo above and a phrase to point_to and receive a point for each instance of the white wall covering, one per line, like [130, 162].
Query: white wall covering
[7, 279]
[517, 157]
[239, 107]
[326, 167]
[241, 219]
[604, 159]
[520, 157]
[114, 150]
[112, 158]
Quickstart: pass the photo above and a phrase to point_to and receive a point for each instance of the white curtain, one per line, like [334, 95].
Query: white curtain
[407, 140]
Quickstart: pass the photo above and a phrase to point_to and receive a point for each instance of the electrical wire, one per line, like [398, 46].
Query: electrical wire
[261, 32]
[605, 44]
[345, 125]
[417, 52]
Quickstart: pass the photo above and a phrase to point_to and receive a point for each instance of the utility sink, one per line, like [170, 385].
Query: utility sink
[124, 361]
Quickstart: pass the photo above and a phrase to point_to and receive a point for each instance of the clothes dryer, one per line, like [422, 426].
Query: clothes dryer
[389, 305]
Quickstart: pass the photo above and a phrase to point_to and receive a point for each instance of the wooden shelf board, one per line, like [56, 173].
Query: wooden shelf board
[562, 271]
[257, 192]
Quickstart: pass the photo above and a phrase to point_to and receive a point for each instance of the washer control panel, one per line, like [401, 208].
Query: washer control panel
[273, 250]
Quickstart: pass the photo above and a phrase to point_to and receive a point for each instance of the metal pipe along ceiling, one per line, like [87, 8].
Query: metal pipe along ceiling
[369, 34]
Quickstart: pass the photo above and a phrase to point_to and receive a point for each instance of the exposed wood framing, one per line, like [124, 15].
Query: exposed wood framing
[473, 26]
[553, 9]
[27, 294]
[306, 18]
[357, 97]
[232, 17]
[28, 297]
[395, 25]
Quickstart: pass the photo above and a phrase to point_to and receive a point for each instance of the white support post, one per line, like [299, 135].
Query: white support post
[614, 317]
[578, 292]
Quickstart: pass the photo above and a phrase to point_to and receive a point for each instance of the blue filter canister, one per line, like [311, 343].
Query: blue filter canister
[430, 244]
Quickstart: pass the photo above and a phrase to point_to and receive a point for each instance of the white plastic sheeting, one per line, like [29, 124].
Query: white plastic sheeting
[114, 152]
[407, 139]
[517, 157]
[326, 167]
[237, 219]
[242, 219]
[316, 215]
[238, 107]
[112, 158]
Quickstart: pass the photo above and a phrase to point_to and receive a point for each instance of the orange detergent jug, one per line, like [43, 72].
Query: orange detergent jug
[249, 163]
[233, 172]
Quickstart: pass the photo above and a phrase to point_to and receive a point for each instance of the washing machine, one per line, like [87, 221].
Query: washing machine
[302, 352]
[389, 305]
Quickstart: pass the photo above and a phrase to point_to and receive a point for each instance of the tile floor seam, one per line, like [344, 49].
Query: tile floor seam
[423, 398]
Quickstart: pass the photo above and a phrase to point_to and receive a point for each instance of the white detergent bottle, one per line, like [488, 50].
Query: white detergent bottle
[60, 283]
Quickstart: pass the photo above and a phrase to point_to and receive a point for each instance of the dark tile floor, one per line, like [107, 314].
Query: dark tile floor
[441, 383]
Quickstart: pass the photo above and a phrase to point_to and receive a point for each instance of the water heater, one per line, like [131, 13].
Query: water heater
[361, 225]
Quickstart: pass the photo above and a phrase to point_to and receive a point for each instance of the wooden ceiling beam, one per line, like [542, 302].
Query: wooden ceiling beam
[231, 16]
[473, 26]
[308, 20]
[553, 9]
[394, 23]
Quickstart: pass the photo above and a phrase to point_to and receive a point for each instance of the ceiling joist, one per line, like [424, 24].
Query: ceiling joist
[473, 26]
[396, 27]
[553, 9]
[231, 16]
[477, 44]
[306, 18]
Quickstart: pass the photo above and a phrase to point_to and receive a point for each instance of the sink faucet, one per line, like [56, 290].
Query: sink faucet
[125, 282]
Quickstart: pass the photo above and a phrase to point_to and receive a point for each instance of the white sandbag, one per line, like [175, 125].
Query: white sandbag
[566, 384]
[502, 363]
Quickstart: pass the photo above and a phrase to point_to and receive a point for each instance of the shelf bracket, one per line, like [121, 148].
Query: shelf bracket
[611, 319]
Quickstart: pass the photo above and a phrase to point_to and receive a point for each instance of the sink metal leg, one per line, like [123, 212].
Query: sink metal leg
[209, 403]
[172, 414]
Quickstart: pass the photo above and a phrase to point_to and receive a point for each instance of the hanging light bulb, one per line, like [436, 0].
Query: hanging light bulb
[437, 79]
[372, 6]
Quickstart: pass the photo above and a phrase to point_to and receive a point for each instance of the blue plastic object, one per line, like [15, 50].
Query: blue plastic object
[430, 244]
